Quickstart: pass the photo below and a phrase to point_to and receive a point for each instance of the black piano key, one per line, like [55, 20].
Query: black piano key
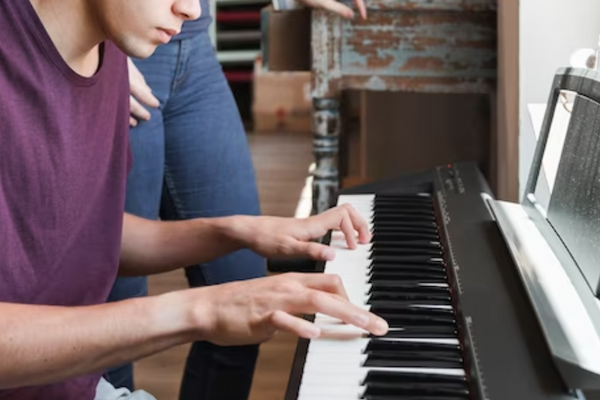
[377, 251]
[416, 379]
[406, 208]
[392, 293]
[402, 320]
[399, 356]
[399, 196]
[408, 301]
[410, 243]
[399, 229]
[393, 307]
[423, 332]
[404, 212]
[408, 287]
[410, 259]
[413, 215]
[382, 267]
[399, 385]
[402, 204]
[410, 397]
[419, 276]
[385, 286]
[381, 353]
[410, 297]
[407, 199]
[398, 391]
[412, 360]
[376, 394]
[386, 394]
[386, 271]
[418, 226]
[381, 219]
[394, 346]
[410, 306]
[399, 235]
[409, 278]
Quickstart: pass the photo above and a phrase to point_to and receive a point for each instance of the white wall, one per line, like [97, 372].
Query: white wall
[550, 30]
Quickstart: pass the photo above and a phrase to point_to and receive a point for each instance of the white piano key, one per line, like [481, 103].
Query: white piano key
[358, 345]
[334, 392]
[358, 374]
[341, 331]
[349, 360]
[319, 378]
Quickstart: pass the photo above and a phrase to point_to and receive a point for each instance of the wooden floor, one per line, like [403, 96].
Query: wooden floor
[281, 162]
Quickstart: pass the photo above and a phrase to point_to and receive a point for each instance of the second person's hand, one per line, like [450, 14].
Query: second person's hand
[338, 7]
[140, 92]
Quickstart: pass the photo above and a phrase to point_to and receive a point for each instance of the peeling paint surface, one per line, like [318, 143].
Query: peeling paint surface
[448, 5]
[423, 43]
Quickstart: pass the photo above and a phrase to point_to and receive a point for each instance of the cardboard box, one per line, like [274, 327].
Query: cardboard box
[282, 100]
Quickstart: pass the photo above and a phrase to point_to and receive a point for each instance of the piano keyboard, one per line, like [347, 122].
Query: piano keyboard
[477, 339]
[401, 276]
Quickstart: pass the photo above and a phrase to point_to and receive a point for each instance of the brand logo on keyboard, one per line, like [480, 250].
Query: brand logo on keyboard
[443, 208]
[450, 252]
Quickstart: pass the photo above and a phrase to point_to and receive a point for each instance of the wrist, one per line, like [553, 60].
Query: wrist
[174, 312]
[190, 313]
[236, 229]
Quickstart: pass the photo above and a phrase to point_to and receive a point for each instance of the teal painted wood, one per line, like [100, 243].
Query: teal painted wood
[433, 46]
[421, 44]
[435, 5]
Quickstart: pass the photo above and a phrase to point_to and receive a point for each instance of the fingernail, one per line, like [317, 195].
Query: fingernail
[313, 332]
[328, 254]
[362, 320]
[382, 326]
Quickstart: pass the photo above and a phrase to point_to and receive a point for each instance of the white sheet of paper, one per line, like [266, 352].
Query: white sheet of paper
[556, 138]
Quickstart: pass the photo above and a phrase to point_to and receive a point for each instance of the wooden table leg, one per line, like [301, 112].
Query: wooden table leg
[326, 131]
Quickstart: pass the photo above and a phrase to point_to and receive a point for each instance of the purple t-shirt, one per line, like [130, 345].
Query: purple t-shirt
[64, 157]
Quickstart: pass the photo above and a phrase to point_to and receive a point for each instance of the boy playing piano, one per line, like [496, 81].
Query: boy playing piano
[64, 107]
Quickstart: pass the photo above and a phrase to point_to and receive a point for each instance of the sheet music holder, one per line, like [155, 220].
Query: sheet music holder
[554, 234]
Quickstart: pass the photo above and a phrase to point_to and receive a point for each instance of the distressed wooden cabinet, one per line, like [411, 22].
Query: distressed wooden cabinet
[433, 46]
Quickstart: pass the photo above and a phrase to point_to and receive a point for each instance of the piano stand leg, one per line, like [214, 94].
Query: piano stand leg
[326, 126]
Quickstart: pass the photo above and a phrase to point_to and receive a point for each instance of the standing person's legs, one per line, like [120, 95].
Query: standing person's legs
[209, 173]
[145, 180]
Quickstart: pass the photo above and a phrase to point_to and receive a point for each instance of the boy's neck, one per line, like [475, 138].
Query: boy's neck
[74, 31]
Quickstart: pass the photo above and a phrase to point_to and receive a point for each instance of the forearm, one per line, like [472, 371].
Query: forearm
[45, 344]
[152, 247]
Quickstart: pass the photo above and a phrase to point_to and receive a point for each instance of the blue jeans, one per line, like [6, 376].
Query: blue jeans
[191, 159]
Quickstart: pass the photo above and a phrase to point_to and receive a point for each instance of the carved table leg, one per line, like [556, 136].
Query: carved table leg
[326, 131]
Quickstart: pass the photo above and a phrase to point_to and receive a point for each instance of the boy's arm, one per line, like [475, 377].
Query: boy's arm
[44, 344]
[151, 247]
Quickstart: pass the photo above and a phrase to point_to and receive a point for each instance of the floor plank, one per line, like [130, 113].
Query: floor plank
[281, 162]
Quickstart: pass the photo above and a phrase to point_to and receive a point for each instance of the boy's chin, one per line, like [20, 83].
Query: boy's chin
[138, 48]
